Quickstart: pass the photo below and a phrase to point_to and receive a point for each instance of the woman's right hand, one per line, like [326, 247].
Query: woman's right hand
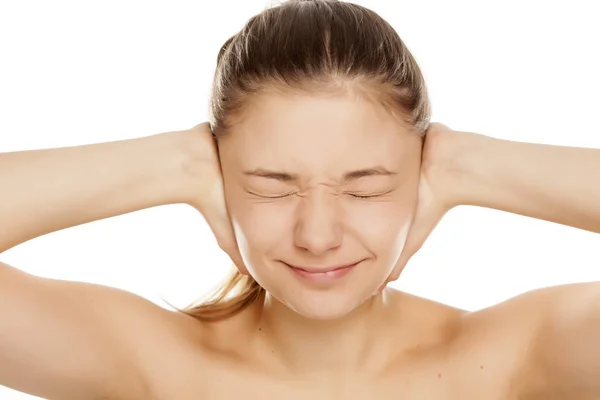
[207, 194]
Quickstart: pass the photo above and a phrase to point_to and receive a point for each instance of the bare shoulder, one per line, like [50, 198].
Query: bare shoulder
[484, 352]
[68, 339]
[503, 341]
[198, 359]
[521, 318]
[173, 349]
[426, 316]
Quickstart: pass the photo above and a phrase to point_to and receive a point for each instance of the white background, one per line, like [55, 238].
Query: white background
[83, 72]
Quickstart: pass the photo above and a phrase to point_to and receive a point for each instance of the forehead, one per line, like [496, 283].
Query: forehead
[292, 130]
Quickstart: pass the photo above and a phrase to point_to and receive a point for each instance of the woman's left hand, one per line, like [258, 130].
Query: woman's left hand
[439, 187]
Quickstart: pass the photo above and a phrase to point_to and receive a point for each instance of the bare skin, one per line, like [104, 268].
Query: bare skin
[446, 354]
[347, 339]
[142, 351]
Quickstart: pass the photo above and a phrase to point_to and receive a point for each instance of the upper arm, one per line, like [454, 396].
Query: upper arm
[567, 351]
[70, 340]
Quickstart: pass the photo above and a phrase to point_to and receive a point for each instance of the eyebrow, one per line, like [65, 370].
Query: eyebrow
[348, 176]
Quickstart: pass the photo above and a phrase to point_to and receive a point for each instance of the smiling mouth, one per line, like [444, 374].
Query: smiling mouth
[324, 275]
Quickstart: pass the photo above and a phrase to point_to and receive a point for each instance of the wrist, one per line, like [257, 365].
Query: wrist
[464, 167]
[475, 168]
[197, 163]
[176, 165]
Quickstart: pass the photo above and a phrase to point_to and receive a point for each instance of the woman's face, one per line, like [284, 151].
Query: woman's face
[316, 183]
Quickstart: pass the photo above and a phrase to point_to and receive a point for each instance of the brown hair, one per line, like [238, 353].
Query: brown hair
[312, 46]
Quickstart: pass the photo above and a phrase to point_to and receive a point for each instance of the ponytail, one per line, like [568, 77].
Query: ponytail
[236, 293]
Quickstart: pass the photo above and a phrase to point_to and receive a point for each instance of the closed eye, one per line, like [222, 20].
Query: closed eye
[369, 196]
[271, 197]
[358, 196]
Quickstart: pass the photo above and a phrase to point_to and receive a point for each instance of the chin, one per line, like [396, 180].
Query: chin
[324, 307]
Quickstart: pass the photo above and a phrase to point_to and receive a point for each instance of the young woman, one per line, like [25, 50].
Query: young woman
[320, 175]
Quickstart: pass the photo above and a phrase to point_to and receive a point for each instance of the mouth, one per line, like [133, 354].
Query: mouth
[322, 274]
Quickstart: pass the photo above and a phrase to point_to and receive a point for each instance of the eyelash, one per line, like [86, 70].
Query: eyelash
[278, 197]
[363, 197]
[271, 197]
[289, 194]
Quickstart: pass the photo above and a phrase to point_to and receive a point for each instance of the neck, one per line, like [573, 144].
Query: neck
[357, 341]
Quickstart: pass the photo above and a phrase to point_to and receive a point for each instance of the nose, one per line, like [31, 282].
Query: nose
[318, 227]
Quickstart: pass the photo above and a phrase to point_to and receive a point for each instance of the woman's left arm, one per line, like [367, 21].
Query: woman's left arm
[552, 183]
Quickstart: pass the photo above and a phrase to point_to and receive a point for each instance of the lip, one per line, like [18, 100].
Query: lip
[322, 275]
[321, 270]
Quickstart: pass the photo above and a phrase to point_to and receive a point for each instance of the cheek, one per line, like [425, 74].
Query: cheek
[259, 227]
[255, 224]
[382, 227]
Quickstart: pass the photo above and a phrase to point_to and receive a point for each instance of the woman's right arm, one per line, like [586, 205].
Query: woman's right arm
[47, 190]
[72, 340]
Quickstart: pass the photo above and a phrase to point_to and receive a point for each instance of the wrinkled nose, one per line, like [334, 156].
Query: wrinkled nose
[318, 227]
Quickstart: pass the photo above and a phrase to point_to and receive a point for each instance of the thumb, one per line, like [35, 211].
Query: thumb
[427, 216]
[221, 227]
[216, 215]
